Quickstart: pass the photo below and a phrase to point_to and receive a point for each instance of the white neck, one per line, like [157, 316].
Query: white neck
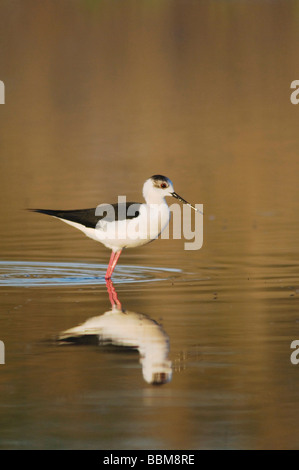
[151, 195]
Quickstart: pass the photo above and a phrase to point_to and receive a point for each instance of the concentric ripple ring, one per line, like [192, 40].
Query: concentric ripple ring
[35, 273]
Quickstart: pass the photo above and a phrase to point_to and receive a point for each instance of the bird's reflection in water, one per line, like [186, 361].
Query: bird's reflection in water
[124, 328]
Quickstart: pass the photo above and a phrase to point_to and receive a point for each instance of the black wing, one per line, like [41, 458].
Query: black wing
[90, 217]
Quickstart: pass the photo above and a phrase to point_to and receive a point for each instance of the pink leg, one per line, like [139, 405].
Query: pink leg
[108, 272]
[112, 294]
[112, 263]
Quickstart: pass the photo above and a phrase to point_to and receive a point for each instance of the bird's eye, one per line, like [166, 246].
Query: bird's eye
[163, 185]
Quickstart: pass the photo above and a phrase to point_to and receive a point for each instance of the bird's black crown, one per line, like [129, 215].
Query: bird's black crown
[160, 178]
[160, 181]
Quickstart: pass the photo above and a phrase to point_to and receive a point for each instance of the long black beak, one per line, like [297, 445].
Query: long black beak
[185, 202]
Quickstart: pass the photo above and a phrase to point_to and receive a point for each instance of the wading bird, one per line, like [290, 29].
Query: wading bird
[126, 224]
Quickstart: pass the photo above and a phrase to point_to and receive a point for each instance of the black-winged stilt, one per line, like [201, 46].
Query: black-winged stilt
[126, 224]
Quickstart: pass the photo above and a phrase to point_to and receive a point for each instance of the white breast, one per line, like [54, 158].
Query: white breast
[151, 221]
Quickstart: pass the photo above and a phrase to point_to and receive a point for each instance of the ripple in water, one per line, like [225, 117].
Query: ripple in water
[35, 273]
